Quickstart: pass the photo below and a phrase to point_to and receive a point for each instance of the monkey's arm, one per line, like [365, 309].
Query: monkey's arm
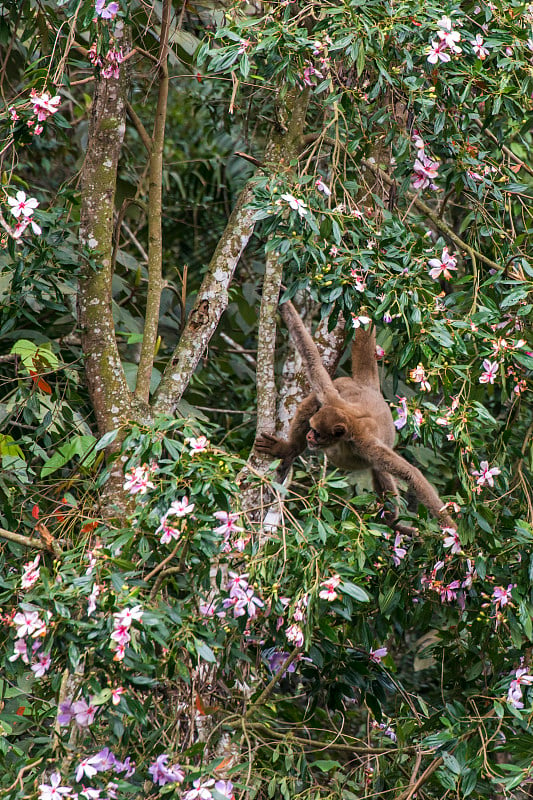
[384, 459]
[288, 450]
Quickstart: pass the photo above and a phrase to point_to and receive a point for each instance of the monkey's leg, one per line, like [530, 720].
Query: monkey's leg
[288, 450]
[383, 459]
[384, 484]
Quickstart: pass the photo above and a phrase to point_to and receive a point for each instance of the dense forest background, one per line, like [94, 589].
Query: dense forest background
[175, 619]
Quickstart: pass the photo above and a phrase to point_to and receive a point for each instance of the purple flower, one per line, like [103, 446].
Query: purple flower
[106, 12]
[161, 774]
[275, 660]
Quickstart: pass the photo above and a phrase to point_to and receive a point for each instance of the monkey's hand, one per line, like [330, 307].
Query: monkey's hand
[269, 445]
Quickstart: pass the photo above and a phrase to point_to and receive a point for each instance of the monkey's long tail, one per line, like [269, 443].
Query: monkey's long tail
[364, 364]
[319, 379]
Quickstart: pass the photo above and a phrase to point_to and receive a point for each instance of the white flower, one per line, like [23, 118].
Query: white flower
[22, 206]
[295, 204]
[53, 790]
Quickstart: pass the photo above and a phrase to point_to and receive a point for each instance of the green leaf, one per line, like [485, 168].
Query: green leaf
[326, 765]
[204, 651]
[106, 439]
[354, 591]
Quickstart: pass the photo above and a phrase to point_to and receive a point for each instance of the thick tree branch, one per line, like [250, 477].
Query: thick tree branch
[105, 376]
[155, 209]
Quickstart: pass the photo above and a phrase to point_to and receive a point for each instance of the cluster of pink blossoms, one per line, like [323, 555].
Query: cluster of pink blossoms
[294, 632]
[231, 532]
[514, 695]
[138, 479]
[30, 573]
[109, 63]
[418, 375]
[178, 509]
[449, 591]
[121, 636]
[30, 626]
[242, 598]
[445, 46]
[424, 168]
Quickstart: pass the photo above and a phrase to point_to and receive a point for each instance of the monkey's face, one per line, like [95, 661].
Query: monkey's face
[326, 427]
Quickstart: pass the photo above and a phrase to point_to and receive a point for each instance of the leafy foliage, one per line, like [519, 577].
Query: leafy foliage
[329, 658]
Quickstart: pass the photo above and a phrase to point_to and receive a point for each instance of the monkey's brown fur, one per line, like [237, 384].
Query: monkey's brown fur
[349, 419]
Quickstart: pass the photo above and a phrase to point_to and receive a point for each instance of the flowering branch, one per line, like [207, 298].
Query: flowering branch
[434, 217]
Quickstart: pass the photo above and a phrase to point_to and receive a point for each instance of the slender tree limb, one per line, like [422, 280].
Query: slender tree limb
[139, 127]
[211, 302]
[155, 210]
[267, 691]
[29, 541]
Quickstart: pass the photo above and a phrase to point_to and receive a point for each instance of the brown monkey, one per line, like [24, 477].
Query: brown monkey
[349, 419]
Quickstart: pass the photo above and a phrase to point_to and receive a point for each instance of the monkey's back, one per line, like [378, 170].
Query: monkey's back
[367, 401]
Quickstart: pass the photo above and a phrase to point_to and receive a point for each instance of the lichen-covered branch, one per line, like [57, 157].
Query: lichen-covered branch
[155, 209]
[108, 389]
[210, 303]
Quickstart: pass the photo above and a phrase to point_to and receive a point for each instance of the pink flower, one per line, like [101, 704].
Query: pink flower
[491, 370]
[321, 186]
[502, 596]
[228, 520]
[19, 205]
[295, 204]
[44, 105]
[53, 790]
[479, 49]
[399, 552]
[452, 540]
[441, 266]
[21, 651]
[418, 375]
[295, 635]
[237, 583]
[28, 623]
[91, 600]
[168, 531]
[138, 480]
[180, 508]
[403, 413]
[116, 694]
[514, 696]
[357, 321]
[449, 593]
[377, 655]
[330, 584]
[128, 615]
[42, 666]
[425, 170]
[485, 475]
[106, 12]
[84, 712]
[309, 73]
[13, 114]
[88, 767]
[437, 52]
[449, 38]
[201, 791]
[244, 45]
[198, 445]
[30, 574]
